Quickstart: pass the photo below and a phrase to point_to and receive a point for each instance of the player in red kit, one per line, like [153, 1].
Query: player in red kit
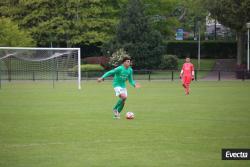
[187, 75]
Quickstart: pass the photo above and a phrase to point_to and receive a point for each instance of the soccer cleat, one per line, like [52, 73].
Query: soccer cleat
[116, 117]
[116, 114]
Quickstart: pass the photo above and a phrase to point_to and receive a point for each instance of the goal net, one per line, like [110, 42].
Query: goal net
[18, 63]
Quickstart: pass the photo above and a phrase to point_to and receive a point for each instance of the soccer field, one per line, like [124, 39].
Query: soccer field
[64, 127]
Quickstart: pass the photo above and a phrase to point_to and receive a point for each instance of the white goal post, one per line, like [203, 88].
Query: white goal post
[30, 63]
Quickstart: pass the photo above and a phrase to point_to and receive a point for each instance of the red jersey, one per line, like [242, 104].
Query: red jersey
[187, 69]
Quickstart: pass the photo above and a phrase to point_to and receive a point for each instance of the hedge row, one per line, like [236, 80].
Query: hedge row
[88, 67]
[209, 49]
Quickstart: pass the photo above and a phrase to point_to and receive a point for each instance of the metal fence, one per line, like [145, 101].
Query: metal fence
[205, 75]
[172, 75]
[149, 75]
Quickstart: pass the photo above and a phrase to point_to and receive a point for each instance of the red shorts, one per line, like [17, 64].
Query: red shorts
[186, 79]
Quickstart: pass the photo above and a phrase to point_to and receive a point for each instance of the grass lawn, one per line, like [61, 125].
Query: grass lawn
[64, 127]
[206, 65]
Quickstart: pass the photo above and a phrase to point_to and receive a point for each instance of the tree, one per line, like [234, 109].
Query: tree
[12, 35]
[163, 15]
[136, 35]
[190, 12]
[65, 22]
[233, 14]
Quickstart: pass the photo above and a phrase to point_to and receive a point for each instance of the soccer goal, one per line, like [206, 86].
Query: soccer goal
[23, 63]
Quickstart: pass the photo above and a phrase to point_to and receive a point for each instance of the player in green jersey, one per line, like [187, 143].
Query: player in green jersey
[121, 74]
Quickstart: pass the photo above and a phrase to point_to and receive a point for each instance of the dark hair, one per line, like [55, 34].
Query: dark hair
[125, 59]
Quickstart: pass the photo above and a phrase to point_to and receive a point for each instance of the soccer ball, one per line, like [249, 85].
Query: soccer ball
[130, 115]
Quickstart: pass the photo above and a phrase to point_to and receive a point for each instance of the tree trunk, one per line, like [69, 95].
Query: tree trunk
[240, 47]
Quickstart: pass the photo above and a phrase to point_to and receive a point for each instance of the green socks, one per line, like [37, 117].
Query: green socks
[119, 105]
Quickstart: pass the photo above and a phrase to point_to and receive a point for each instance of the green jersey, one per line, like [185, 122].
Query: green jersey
[121, 74]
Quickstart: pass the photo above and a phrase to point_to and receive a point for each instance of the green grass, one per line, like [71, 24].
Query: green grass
[206, 66]
[63, 127]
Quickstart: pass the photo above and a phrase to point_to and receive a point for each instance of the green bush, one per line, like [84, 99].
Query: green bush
[89, 67]
[209, 49]
[169, 62]
[89, 70]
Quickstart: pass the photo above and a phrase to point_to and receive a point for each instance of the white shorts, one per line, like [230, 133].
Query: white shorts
[120, 90]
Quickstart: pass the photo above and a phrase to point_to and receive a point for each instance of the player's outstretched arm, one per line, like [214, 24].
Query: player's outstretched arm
[109, 73]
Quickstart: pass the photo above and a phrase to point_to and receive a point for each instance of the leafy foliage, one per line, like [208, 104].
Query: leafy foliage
[169, 62]
[136, 35]
[12, 35]
[89, 67]
[192, 12]
[65, 22]
[231, 13]
[235, 15]
[162, 15]
[117, 57]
